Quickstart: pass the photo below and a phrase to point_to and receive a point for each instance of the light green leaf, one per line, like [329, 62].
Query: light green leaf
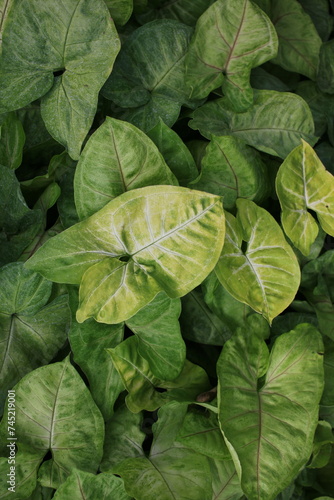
[117, 157]
[154, 233]
[225, 481]
[200, 432]
[124, 438]
[89, 341]
[55, 411]
[25, 475]
[140, 382]
[186, 11]
[265, 275]
[299, 42]
[233, 170]
[230, 39]
[326, 68]
[160, 342]
[44, 37]
[12, 140]
[151, 82]
[120, 10]
[82, 485]
[303, 183]
[175, 152]
[199, 323]
[274, 124]
[268, 406]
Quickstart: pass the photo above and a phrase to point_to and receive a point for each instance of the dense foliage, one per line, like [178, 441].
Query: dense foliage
[167, 258]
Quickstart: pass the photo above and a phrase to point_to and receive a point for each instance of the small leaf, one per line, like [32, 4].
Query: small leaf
[303, 183]
[270, 426]
[230, 39]
[266, 276]
[117, 157]
[12, 140]
[274, 124]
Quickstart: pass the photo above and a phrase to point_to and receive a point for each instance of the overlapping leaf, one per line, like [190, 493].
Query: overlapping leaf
[302, 183]
[117, 157]
[145, 241]
[265, 275]
[268, 406]
[231, 38]
[77, 38]
[274, 124]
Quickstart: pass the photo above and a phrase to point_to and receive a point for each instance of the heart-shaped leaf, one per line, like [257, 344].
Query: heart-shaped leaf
[303, 183]
[144, 241]
[268, 406]
[230, 39]
[266, 274]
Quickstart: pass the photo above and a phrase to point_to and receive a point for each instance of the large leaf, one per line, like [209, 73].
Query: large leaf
[233, 170]
[175, 152]
[303, 183]
[268, 406]
[82, 485]
[117, 157]
[150, 248]
[25, 475]
[12, 139]
[230, 39]
[140, 382]
[55, 412]
[31, 331]
[299, 42]
[151, 82]
[89, 341]
[186, 11]
[274, 124]
[120, 10]
[265, 275]
[326, 67]
[160, 342]
[170, 472]
[77, 38]
[320, 15]
[225, 481]
[321, 105]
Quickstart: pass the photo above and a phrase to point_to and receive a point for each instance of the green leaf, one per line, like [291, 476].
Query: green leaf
[18, 224]
[323, 439]
[318, 287]
[25, 475]
[151, 82]
[77, 38]
[225, 481]
[55, 411]
[175, 152]
[201, 433]
[118, 157]
[81, 484]
[274, 124]
[12, 140]
[303, 183]
[170, 472]
[120, 10]
[140, 382]
[160, 342]
[199, 323]
[155, 230]
[185, 11]
[321, 105]
[89, 341]
[327, 400]
[320, 15]
[326, 68]
[266, 275]
[268, 406]
[124, 438]
[230, 39]
[31, 331]
[299, 42]
[233, 170]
